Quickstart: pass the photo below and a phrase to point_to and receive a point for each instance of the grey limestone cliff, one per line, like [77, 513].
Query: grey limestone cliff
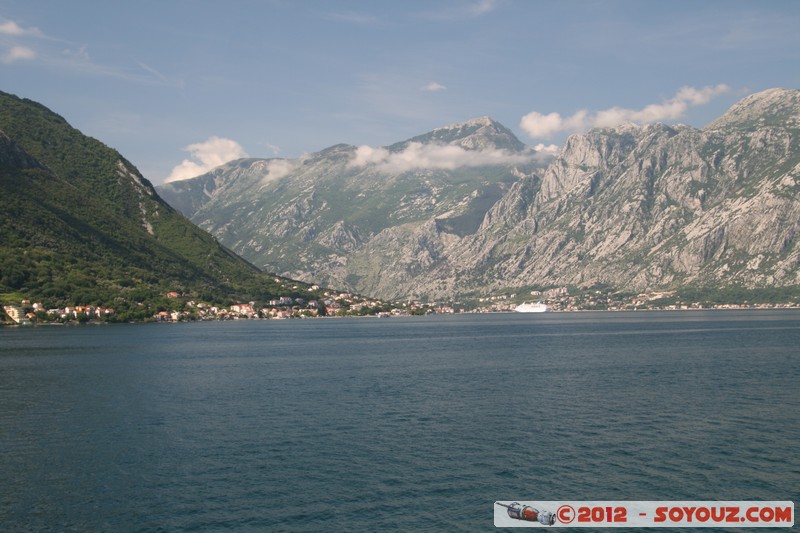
[633, 207]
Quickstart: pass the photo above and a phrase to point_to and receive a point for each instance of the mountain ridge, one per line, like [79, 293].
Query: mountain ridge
[326, 206]
[473, 134]
[770, 107]
[634, 207]
[80, 225]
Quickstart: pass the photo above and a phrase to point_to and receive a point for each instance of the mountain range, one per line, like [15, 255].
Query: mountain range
[324, 216]
[469, 209]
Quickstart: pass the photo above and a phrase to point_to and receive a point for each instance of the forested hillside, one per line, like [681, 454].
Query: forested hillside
[80, 225]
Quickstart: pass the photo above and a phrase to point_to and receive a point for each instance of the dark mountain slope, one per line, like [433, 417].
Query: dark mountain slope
[79, 224]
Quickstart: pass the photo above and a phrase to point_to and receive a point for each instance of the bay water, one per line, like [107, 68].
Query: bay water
[409, 424]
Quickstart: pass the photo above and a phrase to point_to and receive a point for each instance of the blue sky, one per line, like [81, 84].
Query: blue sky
[188, 84]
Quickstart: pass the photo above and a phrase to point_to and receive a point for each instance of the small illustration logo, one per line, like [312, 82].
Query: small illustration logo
[529, 514]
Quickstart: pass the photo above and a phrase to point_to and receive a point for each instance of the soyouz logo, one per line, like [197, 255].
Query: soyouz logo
[644, 514]
[525, 512]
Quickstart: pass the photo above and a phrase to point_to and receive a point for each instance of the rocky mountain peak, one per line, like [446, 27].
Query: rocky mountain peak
[773, 107]
[482, 133]
[634, 207]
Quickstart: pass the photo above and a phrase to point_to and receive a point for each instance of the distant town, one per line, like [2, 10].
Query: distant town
[184, 308]
[561, 299]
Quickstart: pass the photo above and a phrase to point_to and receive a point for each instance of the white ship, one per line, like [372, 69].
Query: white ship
[538, 307]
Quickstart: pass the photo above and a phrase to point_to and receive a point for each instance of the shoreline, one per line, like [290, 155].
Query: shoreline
[396, 316]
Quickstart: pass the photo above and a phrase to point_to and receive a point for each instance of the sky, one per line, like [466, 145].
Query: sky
[181, 86]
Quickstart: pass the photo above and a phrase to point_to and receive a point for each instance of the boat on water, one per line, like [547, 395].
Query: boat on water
[538, 307]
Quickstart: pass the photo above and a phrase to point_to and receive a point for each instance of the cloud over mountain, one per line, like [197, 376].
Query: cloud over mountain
[206, 155]
[279, 168]
[538, 125]
[433, 156]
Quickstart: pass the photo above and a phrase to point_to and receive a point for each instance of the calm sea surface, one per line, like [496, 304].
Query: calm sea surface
[412, 424]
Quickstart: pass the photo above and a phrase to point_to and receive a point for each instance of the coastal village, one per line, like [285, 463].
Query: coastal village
[283, 307]
[182, 307]
[323, 303]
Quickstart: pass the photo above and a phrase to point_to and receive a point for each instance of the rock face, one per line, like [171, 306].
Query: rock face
[636, 208]
[344, 217]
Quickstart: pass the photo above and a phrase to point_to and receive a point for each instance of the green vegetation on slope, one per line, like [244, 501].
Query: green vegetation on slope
[80, 225]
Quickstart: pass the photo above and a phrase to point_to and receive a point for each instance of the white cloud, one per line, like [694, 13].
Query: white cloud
[432, 156]
[10, 27]
[367, 155]
[17, 53]
[551, 149]
[538, 125]
[14, 50]
[543, 154]
[482, 7]
[276, 150]
[206, 155]
[433, 87]
[278, 168]
[701, 96]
